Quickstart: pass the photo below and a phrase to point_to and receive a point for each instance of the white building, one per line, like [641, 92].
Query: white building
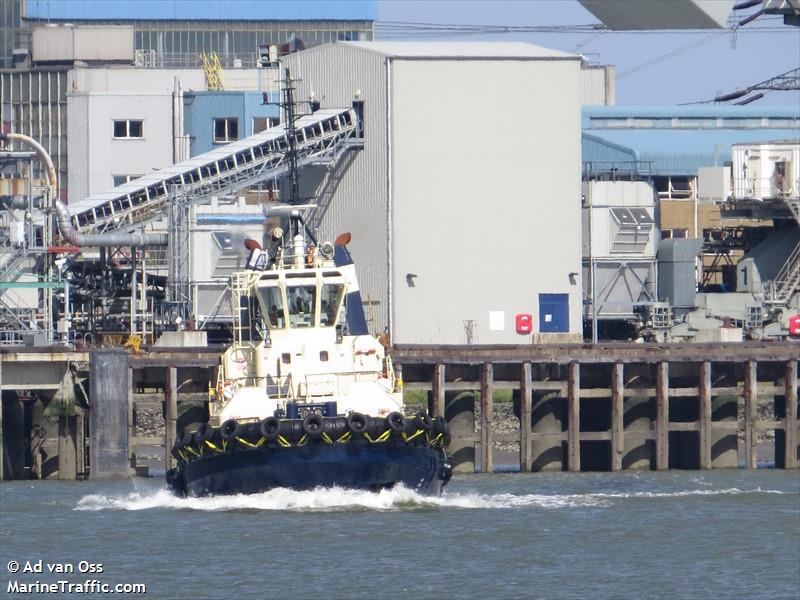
[464, 204]
[122, 120]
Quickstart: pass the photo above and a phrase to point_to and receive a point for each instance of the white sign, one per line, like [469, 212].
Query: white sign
[497, 320]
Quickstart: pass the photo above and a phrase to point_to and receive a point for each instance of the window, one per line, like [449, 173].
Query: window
[330, 301]
[272, 306]
[226, 130]
[262, 123]
[301, 300]
[120, 179]
[128, 129]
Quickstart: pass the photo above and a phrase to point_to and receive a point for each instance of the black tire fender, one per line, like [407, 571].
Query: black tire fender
[313, 426]
[396, 421]
[270, 428]
[423, 421]
[357, 423]
[229, 429]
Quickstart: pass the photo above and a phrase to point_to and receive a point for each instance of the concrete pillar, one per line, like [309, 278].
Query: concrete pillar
[525, 457]
[460, 415]
[638, 451]
[574, 416]
[487, 418]
[662, 416]
[705, 414]
[67, 448]
[80, 444]
[750, 413]
[438, 390]
[170, 415]
[617, 414]
[724, 442]
[790, 420]
[108, 426]
[548, 413]
[2, 442]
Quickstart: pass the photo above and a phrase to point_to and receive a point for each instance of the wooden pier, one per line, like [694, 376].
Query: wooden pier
[579, 407]
[614, 406]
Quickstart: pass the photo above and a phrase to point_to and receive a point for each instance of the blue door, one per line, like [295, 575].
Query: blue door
[553, 313]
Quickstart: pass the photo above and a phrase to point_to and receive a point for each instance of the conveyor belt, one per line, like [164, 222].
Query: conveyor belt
[226, 169]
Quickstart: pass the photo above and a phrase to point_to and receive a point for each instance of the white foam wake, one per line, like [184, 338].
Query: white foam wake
[400, 498]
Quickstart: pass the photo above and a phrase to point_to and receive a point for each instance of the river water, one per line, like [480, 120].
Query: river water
[680, 534]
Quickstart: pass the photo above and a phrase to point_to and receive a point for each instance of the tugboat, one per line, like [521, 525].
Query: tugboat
[305, 397]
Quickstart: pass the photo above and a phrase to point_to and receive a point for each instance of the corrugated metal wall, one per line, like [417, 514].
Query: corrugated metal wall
[356, 202]
[485, 196]
[34, 103]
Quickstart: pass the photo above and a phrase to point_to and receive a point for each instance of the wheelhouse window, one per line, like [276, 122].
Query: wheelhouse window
[128, 129]
[302, 303]
[226, 130]
[330, 302]
[272, 306]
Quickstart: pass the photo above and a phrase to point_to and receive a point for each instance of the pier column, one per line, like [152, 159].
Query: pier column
[460, 415]
[170, 415]
[1, 421]
[67, 447]
[705, 415]
[438, 390]
[525, 402]
[487, 419]
[574, 417]
[790, 416]
[750, 412]
[662, 416]
[80, 444]
[617, 414]
[108, 374]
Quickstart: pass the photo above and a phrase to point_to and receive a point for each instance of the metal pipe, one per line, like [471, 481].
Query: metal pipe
[52, 179]
[136, 239]
[64, 220]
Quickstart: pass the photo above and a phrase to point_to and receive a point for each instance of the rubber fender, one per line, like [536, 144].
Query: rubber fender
[423, 421]
[269, 428]
[313, 426]
[177, 445]
[212, 435]
[440, 425]
[375, 426]
[250, 432]
[335, 427]
[186, 439]
[200, 435]
[396, 421]
[291, 430]
[229, 429]
[357, 423]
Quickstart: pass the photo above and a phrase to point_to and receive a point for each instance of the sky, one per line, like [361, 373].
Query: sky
[653, 68]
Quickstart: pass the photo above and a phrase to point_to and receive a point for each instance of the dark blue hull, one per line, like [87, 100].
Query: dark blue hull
[356, 465]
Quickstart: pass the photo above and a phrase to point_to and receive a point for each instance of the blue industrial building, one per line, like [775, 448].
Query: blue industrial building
[213, 118]
[173, 33]
[677, 140]
[203, 10]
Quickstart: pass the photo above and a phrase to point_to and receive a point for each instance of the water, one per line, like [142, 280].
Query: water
[719, 534]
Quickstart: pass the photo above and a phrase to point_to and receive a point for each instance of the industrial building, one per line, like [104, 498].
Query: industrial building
[451, 218]
[724, 199]
[111, 82]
